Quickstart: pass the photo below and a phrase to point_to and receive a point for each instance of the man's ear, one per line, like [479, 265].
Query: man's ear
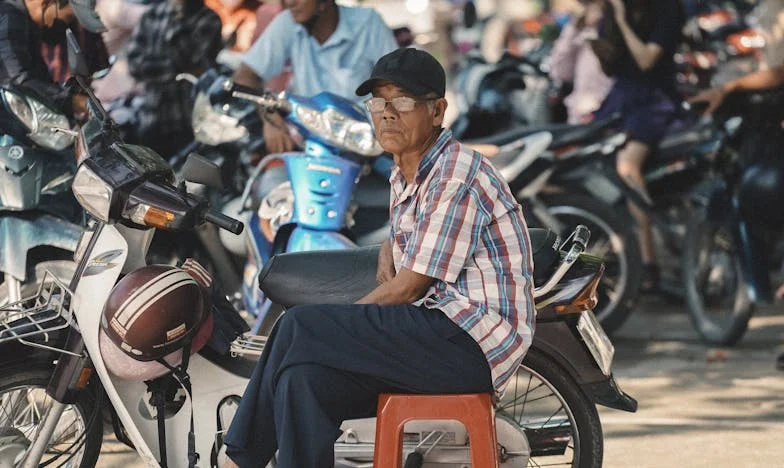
[438, 111]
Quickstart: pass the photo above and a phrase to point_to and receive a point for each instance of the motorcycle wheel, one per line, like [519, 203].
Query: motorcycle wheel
[719, 305]
[560, 422]
[619, 287]
[62, 269]
[77, 439]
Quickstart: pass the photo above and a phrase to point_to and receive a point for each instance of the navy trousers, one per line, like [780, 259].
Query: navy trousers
[328, 363]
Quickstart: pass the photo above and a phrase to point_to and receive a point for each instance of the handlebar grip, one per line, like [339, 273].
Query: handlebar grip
[231, 87]
[224, 222]
[582, 235]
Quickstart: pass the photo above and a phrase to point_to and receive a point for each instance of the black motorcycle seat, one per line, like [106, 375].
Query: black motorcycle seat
[682, 139]
[563, 134]
[344, 276]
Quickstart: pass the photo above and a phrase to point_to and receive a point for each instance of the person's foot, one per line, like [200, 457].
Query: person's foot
[780, 293]
[649, 281]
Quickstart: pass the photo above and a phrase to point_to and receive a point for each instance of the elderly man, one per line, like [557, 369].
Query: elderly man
[453, 312]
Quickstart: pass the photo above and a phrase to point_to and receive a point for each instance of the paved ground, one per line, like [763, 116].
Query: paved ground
[699, 406]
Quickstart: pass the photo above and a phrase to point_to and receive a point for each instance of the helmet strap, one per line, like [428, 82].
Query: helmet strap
[180, 373]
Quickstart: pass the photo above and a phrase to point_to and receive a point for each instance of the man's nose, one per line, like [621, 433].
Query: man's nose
[390, 113]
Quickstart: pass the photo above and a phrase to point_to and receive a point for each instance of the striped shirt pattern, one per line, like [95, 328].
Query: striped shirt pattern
[460, 224]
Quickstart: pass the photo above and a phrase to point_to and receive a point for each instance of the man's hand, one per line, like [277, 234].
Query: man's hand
[591, 15]
[276, 136]
[406, 287]
[386, 263]
[714, 97]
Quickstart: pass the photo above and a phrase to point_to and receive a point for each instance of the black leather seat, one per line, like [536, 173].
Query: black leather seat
[343, 276]
[679, 141]
[563, 134]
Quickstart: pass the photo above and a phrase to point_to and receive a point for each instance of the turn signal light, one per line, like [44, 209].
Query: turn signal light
[586, 300]
[147, 215]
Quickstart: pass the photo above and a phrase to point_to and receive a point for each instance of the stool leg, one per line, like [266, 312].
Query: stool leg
[389, 436]
[483, 440]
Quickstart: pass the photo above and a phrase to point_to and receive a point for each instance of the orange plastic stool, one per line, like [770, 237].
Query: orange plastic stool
[474, 410]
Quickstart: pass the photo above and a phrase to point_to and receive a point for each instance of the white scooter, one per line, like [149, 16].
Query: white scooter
[548, 414]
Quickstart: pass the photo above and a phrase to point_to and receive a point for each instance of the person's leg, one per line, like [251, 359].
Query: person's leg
[629, 166]
[311, 402]
[251, 439]
[327, 363]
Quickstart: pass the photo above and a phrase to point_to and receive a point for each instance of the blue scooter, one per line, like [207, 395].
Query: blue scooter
[39, 218]
[311, 205]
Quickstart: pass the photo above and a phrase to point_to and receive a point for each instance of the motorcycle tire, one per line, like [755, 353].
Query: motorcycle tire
[619, 287]
[587, 440]
[707, 242]
[62, 269]
[86, 410]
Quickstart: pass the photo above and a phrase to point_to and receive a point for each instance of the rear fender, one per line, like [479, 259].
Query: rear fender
[559, 343]
[20, 233]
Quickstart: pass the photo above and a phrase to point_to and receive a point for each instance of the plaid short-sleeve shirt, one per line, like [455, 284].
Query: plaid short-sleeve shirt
[459, 223]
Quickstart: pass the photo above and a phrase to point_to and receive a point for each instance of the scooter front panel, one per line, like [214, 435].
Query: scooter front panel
[322, 190]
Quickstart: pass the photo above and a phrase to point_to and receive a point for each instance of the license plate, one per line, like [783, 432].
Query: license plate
[597, 341]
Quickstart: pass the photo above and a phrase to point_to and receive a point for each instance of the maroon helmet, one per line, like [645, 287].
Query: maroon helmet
[151, 314]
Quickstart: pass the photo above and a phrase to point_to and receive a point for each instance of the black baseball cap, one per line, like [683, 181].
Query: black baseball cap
[414, 70]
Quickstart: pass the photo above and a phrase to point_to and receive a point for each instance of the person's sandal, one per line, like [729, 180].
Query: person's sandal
[649, 281]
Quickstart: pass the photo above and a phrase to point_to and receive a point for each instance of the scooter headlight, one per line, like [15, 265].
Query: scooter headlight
[20, 108]
[212, 127]
[332, 125]
[40, 120]
[92, 193]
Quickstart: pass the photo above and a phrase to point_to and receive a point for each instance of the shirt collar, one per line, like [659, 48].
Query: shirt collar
[396, 179]
[344, 31]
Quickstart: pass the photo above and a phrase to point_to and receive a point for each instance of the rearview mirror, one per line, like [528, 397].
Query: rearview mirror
[201, 170]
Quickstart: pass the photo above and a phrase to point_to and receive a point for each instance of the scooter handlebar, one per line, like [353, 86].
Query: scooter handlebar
[582, 235]
[224, 222]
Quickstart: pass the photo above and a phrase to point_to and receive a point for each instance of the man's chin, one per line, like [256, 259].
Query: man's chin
[389, 145]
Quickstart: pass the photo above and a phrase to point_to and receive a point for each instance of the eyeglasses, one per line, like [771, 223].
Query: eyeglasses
[401, 104]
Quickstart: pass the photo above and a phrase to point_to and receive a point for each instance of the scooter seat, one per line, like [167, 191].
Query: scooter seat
[563, 134]
[682, 138]
[344, 276]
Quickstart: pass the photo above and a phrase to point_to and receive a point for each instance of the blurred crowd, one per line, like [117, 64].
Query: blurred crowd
[611, 56]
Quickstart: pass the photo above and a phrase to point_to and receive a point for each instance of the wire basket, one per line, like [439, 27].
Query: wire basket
[248, 345]
[49, 310]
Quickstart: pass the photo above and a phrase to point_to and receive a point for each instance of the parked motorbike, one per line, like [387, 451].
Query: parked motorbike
[227, 132]
[39, 219]
[496, 97]
[557, 204]
[548, 414]
[720, 44]
[730, 241]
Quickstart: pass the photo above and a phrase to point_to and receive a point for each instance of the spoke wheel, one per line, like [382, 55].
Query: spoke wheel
[620, 284]
[719, 304]
[560, 423]
[76, 441]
